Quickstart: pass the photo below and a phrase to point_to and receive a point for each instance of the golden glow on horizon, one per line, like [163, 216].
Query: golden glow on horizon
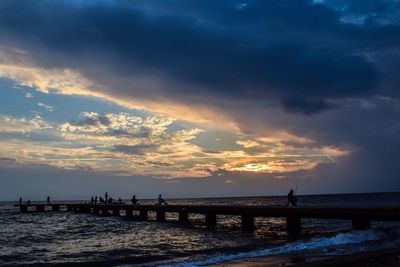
[120, 145]
[125, 144]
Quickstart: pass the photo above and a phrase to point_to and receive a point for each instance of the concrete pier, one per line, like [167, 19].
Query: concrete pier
[359, 216]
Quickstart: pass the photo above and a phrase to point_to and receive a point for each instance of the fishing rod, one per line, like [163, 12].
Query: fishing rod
[297, 185]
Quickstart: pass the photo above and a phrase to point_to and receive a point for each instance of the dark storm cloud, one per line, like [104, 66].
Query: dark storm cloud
[243, 59]
[305, 106]
[295, 52]
[368, 11]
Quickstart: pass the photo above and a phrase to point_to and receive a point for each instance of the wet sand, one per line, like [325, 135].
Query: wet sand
[383, 258]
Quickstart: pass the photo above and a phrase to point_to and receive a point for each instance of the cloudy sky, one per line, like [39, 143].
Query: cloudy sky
[198, 98]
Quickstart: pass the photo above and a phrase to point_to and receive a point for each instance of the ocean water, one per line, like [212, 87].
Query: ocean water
[53, 238]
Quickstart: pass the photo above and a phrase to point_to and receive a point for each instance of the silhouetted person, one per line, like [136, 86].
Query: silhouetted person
[134, 200]
[20, 200]
[48, 199]
[110, 200]
[28, 202]
[92, 200]
[292, 199]
[119, 200]
[161, 201]
[95, 200]
[106, 197]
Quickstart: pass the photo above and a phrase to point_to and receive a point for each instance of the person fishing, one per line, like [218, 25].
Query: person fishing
[292, 199]
[134, 200]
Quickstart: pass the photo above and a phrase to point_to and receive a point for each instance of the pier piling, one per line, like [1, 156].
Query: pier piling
[55, 207]
[183, 217]
[23, 208]
[143, 214]
[211, 219]
[247, 222]
[293, 224]
[129, 212]
[104, 212]
[116, 212]
[96, 211]
[40, 208]
[161, 216]
[360, 223]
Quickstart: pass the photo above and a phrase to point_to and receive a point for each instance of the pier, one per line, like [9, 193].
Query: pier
[360, 216]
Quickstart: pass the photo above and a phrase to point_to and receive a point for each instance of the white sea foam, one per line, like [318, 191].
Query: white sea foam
[353, 237]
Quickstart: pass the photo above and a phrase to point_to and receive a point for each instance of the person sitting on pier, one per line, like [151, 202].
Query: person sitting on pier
[134, 200]
[119, 200]
[28, 202]
[110, 200]
[48, 199]
[161, 201]
[292, 199]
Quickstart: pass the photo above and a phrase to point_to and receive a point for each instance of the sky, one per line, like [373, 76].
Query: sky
[198, 98]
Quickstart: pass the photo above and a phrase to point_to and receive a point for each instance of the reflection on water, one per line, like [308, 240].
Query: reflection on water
[60, 237]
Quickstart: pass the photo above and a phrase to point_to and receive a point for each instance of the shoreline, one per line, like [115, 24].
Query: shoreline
[380, 258]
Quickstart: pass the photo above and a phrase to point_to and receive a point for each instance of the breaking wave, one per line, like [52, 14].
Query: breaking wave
[349, 238]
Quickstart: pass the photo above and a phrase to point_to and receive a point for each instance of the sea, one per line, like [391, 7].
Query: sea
[68, 238]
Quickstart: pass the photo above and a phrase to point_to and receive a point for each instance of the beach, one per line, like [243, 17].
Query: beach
[381, 258]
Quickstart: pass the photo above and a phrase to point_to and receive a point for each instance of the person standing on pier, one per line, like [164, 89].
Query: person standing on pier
[28, 202]
[161, 201]
[134, 200]
[20, 200]
[95, 200]
[292, 199]
[106, 197]
[48, 199]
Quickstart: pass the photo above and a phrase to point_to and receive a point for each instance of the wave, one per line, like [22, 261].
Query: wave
[353, 237]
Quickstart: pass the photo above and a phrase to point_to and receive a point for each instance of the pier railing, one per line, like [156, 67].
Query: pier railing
[360, 216]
